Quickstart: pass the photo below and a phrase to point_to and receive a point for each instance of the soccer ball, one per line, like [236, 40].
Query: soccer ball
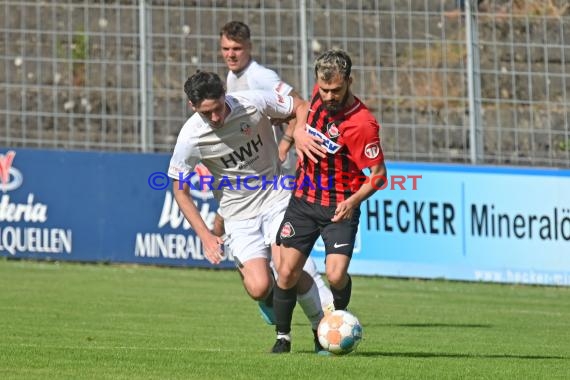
[339, 332]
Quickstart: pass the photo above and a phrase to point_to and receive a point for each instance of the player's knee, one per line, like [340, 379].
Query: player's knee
[258, 289]
[287, 277]
[337, 279]
[258, 294]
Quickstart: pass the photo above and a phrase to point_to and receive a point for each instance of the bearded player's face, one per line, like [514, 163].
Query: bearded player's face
[334, 92]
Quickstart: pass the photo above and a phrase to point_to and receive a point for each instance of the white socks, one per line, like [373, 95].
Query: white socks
[327, 299]
[311, 304]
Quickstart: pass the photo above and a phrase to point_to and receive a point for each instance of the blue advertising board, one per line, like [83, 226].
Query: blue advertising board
[467, 223]
[95, 207]
[431, 221]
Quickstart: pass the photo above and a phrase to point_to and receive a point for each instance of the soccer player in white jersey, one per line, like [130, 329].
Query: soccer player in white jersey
[232, 136]
[246, 74]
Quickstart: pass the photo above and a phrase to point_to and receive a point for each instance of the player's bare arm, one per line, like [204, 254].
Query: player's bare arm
[287, 141]
[375, 181]
[212, 244]
[300, 108]
[219, 227]
[285, 145]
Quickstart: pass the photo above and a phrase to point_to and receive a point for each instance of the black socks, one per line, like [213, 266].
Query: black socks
[342, 296]
[284, 301]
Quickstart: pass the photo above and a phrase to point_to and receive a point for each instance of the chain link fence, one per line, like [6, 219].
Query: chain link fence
[109, 75]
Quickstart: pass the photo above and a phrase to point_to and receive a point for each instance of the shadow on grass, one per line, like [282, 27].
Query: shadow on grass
[428, 355]
[445, 354]
[453, 355]
[444, 325]
[424, 325]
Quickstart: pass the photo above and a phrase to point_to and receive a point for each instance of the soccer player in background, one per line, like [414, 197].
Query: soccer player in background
[246, 74]
[349, 141]
[232, 136]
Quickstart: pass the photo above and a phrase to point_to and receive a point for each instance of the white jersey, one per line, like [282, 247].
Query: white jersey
[244, 147]
[258, 77]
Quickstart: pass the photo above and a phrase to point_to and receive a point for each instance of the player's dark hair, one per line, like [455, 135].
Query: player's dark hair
[204, 85]
[331, 62]
[236, 31]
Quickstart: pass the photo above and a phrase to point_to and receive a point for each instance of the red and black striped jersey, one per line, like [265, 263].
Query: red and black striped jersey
[352, 139]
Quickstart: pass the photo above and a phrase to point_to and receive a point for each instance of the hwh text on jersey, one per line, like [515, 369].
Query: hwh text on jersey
[243, 153]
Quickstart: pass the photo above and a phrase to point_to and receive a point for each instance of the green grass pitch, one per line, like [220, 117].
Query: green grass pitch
[74, 321]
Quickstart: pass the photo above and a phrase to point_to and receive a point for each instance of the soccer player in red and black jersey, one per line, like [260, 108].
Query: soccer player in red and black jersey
[341, 138]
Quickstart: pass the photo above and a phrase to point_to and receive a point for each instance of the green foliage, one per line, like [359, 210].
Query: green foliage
[72, 321]
[564, 145]
[79, 52]
[80, 47]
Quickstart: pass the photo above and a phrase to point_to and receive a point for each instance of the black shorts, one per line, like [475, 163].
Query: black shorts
[304, 222]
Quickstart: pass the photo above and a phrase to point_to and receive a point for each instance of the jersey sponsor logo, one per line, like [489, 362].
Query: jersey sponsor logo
[332, 130]
[243, 153]
[372, 150]
[287, 231]
[280, 99]
[330, 145]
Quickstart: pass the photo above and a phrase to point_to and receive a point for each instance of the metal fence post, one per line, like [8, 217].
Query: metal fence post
[145, 77]
[474, 84]
[304, 50]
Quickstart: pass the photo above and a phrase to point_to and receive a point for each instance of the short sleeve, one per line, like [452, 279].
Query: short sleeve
[267, 80]
[363, 143]
[185, 157]
[272, 104]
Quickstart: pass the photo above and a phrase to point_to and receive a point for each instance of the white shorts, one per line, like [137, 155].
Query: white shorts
[252, 238]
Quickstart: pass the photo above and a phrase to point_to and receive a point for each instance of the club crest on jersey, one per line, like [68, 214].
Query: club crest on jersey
[245, 128]
[332, 130]
[330, 145]
[372, 150]
[287, 231]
